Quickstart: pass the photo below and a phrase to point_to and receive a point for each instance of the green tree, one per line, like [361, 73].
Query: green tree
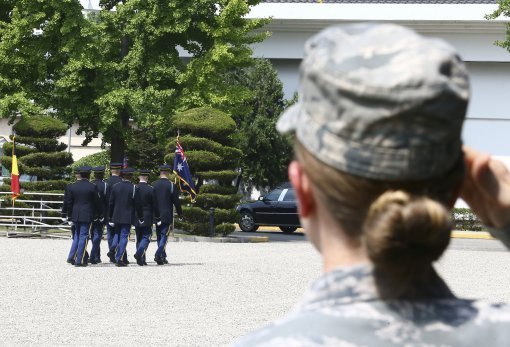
[144, 151]
[502, 10]
[213, 160]
[36, 41]
[112, 69]
[266, 153]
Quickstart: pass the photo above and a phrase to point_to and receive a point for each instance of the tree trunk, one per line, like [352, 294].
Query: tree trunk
[118, 143]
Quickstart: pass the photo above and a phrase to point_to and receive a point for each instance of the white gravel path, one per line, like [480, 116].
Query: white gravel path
[209, 295]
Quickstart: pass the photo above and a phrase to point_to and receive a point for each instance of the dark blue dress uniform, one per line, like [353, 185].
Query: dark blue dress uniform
[97, 227]
[166, 196]
[124, 201]
[113, 180]
[74, 236]
[144, 231]
[83, 206]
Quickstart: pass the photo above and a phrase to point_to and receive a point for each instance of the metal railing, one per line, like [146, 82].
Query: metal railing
[33, 219]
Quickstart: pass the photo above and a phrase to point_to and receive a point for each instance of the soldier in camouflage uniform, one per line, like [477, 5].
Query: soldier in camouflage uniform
[379, 165]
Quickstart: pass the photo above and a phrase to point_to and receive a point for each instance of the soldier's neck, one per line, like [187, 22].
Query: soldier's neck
[336, 247]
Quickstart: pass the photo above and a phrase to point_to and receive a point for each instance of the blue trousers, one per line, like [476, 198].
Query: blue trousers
[143, 238]
[158, 237]
[162, 233]
[123, 232]
[74, 245]
[115, 239]
[97, 235]
[83, 231]
[110, 234]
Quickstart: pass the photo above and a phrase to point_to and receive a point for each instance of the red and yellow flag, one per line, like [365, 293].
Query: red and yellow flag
[14, 173]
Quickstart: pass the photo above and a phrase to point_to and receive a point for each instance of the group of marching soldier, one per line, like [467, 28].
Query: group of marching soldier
[119, 204]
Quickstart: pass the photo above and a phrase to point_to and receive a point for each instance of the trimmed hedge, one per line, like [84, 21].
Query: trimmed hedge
[48, 174]
[41, 144]
[41, 186]
[212, 163]
[214, 189]
[206, 201]
[195, 214]
[225, 229]
[205, 122]
[20, 149]
[202, 160]
[223, 176]
[47, 159]
[40, 126]
[202, 229]
[193, 143]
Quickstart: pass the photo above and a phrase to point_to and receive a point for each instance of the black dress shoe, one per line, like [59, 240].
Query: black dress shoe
[159, 260]
[138, 259]
[93, 262]
[70, 261]
[81, 265]
[120, 263]
[98, 261]
[145, 263]
[165, 261]
[126, 262]
[111, 255]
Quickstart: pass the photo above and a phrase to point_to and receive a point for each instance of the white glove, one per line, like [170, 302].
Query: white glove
[181, 219]
[63, 219]
[141, 221]
[112, 224]
[70, 223]
[158, 223]
[101, 219]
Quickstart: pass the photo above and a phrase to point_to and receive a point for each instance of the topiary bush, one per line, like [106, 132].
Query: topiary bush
[213, 160]
[40, 155]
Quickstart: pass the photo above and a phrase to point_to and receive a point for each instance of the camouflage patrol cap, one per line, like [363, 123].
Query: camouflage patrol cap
[380, 101]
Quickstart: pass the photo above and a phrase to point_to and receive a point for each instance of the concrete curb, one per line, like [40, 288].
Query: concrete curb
[482, 235]
[229, 239]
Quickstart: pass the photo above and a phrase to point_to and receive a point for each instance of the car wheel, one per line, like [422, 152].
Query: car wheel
[247, 224]
[288, 230]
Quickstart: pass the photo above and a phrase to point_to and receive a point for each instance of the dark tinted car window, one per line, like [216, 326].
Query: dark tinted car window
[290, 196]
[273, 196]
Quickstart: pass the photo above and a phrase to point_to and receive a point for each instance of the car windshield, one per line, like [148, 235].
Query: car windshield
[273, 196]
[290, 196]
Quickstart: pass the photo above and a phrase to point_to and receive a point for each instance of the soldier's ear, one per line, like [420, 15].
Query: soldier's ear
[303, 189]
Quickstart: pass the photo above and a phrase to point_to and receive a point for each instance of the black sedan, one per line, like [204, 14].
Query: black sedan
[278, 208]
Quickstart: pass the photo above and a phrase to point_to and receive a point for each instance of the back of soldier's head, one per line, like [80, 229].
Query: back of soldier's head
[378, 132]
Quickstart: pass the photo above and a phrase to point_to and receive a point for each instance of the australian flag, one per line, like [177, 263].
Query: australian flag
[181, 170]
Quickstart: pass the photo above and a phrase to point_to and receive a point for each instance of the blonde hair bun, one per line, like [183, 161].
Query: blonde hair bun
[403, 231]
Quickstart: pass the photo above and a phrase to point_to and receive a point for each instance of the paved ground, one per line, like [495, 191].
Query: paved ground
[209, 295]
